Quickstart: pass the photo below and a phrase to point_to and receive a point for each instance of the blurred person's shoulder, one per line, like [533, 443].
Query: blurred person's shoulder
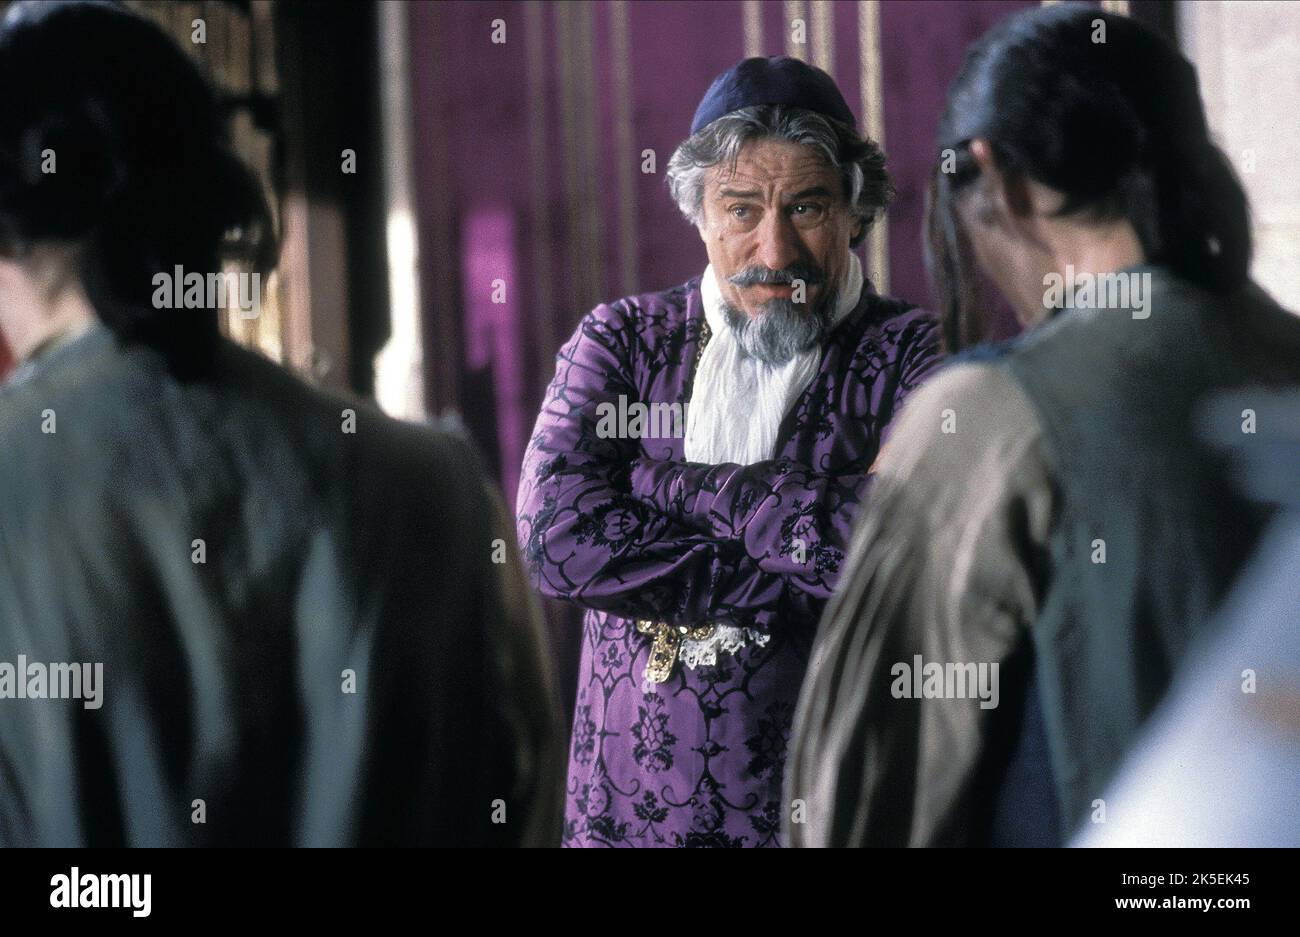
[968, 412]
[52, 375]
[410, 503]
[1150, 312]
[339, 427]
[247, 416]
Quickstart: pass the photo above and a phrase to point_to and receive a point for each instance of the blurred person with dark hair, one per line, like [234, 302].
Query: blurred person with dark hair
[704, 552]
[276, 611]
[1048, 534]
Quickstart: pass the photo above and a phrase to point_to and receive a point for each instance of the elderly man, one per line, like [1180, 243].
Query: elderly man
[704, 552]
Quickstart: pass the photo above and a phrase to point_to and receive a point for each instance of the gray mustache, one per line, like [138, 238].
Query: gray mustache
[765, 276]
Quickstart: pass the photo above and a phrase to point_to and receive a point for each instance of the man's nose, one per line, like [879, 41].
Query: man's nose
[778, 242]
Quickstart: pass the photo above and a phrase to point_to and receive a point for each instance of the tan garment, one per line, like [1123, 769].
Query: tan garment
[948, 560]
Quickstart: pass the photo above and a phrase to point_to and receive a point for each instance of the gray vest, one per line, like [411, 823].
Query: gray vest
[1150, 532]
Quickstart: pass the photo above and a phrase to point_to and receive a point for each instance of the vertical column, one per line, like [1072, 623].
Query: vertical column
[399, 366]
[873, 125]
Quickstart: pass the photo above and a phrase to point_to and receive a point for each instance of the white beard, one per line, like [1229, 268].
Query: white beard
[738, 401]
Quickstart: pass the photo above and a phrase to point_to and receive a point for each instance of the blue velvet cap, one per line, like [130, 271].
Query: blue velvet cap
[775, 80]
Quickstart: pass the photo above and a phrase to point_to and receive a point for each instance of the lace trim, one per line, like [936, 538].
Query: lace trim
[726, 638]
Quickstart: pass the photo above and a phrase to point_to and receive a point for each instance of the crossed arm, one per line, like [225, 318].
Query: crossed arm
[603, 525]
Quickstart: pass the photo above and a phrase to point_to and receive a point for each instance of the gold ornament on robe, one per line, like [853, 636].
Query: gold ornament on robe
[667, 642]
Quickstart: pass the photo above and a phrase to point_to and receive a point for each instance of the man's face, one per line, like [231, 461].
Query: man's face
[781, 215]
[777, 231]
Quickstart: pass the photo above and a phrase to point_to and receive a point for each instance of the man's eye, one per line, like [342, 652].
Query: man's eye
[806, 208]
[740, 211]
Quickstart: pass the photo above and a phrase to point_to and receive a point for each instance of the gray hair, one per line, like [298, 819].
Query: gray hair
[859, 160]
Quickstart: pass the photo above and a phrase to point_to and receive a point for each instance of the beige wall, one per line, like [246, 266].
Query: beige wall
[1248, 56]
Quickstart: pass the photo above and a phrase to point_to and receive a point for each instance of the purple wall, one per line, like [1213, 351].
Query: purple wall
[924, 44]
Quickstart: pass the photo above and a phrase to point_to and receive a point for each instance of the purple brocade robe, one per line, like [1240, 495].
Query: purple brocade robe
[628, 530]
